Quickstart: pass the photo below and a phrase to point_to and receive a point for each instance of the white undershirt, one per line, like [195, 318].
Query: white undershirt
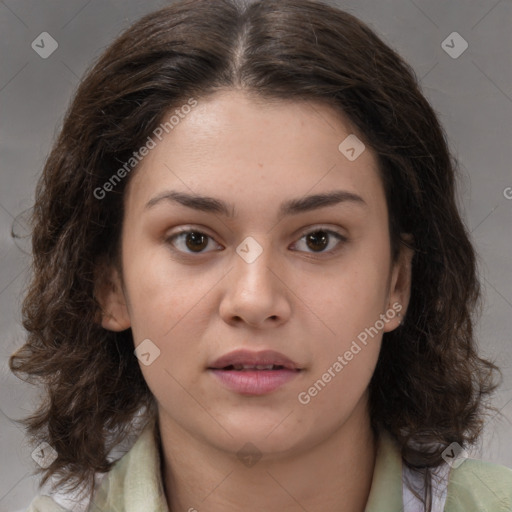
[439, 489]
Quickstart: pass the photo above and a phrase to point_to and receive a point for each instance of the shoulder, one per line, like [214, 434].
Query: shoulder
[53, 499]
[128, 452]
[44, 504]
[479, 485]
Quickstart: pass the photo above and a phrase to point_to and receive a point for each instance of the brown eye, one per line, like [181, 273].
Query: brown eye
[196, 241]
[190, 241]
[319, 239]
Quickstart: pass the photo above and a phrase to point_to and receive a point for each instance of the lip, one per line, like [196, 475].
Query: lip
[254, 381]
[248, 357]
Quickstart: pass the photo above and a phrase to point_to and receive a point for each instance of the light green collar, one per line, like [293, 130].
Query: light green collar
[386, 490]
[134, 484]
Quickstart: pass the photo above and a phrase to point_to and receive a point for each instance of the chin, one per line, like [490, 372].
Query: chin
[269, 435]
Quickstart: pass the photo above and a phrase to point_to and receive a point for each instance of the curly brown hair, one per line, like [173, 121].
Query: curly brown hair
[429, 385]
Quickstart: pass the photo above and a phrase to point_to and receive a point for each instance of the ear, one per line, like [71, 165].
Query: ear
[400, 284]
[114, 315]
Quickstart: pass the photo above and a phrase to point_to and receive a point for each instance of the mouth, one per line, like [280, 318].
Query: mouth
[250, 367]
[241, 360]
[254, 373]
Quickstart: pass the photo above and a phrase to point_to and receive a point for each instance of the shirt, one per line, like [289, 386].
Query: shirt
[134, 484]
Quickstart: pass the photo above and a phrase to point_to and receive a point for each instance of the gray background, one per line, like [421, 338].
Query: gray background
[472, 95]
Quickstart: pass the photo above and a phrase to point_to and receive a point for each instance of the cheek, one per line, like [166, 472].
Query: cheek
[351, 297]
[348, 303]
[166, 309]
[171, 305]
[346, 356]
[161, 294]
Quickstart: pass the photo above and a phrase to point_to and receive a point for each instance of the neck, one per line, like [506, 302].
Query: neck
[334, 475]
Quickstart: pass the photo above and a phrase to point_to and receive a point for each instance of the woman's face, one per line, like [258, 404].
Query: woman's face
[279, 270]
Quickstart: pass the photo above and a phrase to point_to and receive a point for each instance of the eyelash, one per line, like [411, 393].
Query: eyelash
[330, 232]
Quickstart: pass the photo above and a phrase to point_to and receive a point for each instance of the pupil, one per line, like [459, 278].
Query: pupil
[315, 239]
[198, 241]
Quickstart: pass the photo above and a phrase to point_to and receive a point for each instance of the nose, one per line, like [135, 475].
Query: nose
[256, 291]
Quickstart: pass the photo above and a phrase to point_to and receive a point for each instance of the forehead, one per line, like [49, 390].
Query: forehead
[235, 146]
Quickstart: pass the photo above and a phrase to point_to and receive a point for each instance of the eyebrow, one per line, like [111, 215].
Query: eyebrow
[289, 207]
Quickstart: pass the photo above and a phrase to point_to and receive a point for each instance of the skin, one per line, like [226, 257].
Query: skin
[307, 305]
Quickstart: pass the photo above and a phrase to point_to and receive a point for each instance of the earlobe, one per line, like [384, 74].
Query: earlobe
[114, 315]
[114, 323]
